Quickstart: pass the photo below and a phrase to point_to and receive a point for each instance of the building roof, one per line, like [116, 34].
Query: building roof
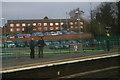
[39, 20]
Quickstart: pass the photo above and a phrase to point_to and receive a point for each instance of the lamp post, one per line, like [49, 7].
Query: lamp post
[67, 22]
[108, 35]
[60, 26]
[78, 19]
[79, 13]
[99, 29]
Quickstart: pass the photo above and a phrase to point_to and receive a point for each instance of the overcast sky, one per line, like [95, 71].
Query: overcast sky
[38, 10]
[23, 10]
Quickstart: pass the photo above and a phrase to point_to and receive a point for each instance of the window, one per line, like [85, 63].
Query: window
[51, 28]
[76, 27]
[57, 28]
[81, 23]
[23, 24]
[56, 23]
[45, 24]
[81, 26]
[71, 23]
[75, 22]
[51, 24]
[39, 24]
[34, 24]
[17, 25]
[45, 28]
[28, 24]
[62, 23]
[39, 28]
[11, 25]
[11, 30]
[34, 29]
[23, 29]
[71, 27]
[18, 29]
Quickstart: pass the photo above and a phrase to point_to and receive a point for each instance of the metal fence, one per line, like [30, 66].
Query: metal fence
[63, 47]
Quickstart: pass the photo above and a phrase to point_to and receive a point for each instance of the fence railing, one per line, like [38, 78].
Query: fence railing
[62, 46]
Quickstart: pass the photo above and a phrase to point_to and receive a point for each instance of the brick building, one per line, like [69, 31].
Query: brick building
[44, 25]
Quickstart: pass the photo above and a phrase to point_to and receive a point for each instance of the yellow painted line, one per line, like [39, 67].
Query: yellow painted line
[89, 72]
[51, 63]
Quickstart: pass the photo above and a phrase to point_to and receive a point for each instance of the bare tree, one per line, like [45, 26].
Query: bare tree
[76, 13]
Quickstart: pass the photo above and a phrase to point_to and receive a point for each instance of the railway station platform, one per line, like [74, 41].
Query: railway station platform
[25, 63]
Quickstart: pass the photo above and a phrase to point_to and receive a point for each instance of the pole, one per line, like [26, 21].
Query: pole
[108, 44]
[91, 10]
[99, 29]
[66, 21]
[79, 29]
[108, 40]
[60, 25]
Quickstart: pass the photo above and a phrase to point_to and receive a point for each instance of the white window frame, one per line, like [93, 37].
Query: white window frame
[17, 25]
[39, 24]
[81, 23]
[71, 27]
[28, 24]
[75, 22]
[23, 24]
[45, 24]
[57, 24]
[23, 29]
[81, 26]
[11, 30]
[18, 29]
[51, 28]
[62, 23]
[51, 24]
[71, 23]
[11, 25]
[57, 28]
[34, 24]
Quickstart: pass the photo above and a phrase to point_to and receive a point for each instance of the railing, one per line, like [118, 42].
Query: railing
[60, 47]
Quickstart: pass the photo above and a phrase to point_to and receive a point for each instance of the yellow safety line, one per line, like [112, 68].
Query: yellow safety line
[90, 72]
[28, 65]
